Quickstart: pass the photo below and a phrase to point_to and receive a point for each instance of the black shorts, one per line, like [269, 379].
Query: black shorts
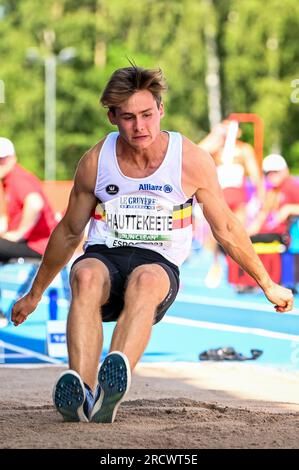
[121, 261]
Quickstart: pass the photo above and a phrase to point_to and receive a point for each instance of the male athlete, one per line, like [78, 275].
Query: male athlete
[136, 188]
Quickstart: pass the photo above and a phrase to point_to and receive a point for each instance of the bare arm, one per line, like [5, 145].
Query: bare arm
[33, 206]
[269, 203]
[225, 226]
[65, 237]
[214, 141]
[282, 214]
[3, 215]
[286, 211]
[252, 169]
[228, 231]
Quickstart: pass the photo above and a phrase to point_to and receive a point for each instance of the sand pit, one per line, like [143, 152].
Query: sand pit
[169, 406]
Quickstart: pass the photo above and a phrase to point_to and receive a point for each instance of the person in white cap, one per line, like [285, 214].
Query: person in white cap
[30, 218]
[281, 201]
[6, 147]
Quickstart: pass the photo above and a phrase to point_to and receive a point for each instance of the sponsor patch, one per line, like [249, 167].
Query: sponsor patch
[167, 188]
[112, 189]
[150, 187]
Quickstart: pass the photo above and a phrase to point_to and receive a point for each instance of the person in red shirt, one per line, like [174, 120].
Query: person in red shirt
[29, 219]
[281, 201]
[234, 163]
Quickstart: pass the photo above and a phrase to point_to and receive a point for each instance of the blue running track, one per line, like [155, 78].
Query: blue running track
[200, 319]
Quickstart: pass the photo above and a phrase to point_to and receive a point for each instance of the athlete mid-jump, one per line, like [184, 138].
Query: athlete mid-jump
[136, 188]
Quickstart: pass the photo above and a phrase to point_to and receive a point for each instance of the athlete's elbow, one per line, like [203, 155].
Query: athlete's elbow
[69, 234]
[73, 237]
[227, 234]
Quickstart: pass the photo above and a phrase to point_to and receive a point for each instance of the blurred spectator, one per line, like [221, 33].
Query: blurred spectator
[26, 218]
[280, 203]
[29, 217]
[235, 160]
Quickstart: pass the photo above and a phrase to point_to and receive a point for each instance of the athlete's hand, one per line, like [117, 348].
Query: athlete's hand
[281, 297]
[22, 308]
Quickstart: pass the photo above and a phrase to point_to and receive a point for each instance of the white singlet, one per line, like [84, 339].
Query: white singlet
[151, 212]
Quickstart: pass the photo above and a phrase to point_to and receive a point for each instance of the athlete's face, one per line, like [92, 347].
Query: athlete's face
[138, 119]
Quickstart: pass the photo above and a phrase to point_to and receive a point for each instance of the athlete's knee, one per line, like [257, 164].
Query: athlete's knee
[145, 279]
[87, 279]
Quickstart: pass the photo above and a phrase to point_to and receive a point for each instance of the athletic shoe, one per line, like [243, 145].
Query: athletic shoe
[3, 320]
[72, 398]
[114, 382]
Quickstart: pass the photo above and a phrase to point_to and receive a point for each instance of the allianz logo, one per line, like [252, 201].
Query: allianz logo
[167, 188]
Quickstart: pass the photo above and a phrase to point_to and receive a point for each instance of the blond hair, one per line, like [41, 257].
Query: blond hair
[126, 81]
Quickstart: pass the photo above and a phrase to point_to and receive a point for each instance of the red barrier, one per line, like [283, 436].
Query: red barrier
[237, 276]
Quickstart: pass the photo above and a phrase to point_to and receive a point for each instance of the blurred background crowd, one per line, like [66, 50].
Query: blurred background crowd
[218, 56]
[222, 59]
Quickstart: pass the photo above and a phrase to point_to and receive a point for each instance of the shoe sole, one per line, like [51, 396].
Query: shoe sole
[114, 379]
[69, 396]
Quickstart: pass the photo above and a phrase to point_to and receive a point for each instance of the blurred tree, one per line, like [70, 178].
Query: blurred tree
[258, 61]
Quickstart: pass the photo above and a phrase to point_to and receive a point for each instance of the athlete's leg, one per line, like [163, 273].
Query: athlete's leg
[90, 284]
[147, 287]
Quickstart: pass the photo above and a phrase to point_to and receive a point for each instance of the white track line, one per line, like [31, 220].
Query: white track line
[222, 302]
[223, 327]
[13, 356]
[29, 352]
[20, 365]
[187, 298]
